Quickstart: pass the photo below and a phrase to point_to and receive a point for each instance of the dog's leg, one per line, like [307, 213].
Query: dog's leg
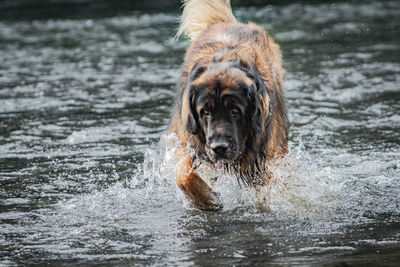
[195, 188]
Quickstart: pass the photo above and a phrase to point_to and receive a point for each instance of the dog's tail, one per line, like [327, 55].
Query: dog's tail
[197, 15]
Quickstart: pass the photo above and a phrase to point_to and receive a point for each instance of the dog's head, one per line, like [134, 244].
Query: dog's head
[226, 104]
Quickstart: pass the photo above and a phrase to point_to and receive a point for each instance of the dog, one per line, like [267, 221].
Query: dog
[229, 109]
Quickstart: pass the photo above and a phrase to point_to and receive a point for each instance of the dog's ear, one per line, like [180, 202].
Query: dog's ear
[189, 113]
[254, 111]
[262, 100]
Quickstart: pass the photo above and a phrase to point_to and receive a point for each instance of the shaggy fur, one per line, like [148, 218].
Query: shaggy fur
[227, 57]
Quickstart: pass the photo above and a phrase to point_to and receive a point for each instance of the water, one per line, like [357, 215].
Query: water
[87, 171]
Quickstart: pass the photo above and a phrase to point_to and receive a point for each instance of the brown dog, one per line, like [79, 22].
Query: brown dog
[229, 110]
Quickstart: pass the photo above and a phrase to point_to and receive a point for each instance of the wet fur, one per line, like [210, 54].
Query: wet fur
[240, 55]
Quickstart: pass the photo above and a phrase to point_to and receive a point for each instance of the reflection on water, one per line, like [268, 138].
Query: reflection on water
[87, 173]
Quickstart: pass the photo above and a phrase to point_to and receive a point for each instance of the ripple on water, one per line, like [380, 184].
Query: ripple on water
[146, 214]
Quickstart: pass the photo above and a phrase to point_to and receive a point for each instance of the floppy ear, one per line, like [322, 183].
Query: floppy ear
[188, 111]
[254, 111]
[262, 104]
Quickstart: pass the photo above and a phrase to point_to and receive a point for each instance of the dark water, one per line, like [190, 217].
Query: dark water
[85, 179]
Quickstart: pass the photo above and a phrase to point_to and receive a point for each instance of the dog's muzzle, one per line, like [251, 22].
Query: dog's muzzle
[221, 148]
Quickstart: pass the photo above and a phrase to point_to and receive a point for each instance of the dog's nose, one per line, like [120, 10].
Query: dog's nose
[219, 148]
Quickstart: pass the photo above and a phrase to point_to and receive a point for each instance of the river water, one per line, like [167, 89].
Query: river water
[87, 171]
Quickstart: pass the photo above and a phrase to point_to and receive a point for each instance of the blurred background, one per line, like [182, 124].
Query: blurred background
[94, 8]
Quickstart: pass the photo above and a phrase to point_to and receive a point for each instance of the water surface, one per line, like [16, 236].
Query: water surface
[87, 172]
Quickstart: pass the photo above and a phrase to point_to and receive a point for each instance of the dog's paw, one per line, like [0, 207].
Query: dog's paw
[211, 203]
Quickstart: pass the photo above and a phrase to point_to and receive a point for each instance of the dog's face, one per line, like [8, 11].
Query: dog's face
[223, 109]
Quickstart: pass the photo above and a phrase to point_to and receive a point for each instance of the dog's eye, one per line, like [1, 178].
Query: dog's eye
[206, 112]
[235, 111]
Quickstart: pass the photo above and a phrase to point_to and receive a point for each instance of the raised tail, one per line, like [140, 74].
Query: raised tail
[197, 15]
